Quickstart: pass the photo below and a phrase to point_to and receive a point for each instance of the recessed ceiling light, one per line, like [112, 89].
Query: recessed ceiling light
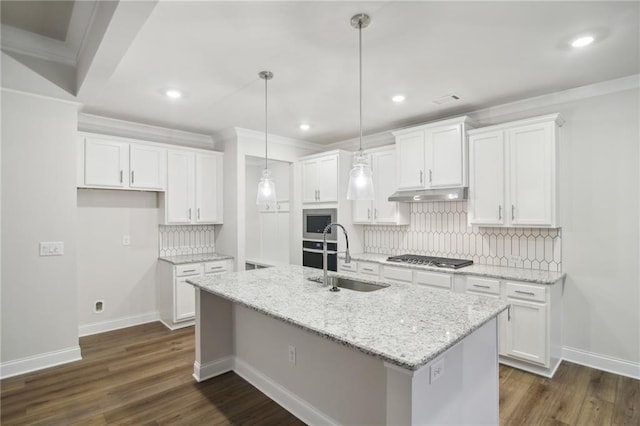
[582, 41]
[304, 127]
[398, 98]
[173, 93]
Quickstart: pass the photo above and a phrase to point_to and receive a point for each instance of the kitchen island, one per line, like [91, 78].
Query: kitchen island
[400, 355]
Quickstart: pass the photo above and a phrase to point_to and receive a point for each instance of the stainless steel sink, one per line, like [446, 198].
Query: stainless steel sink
[350, 284]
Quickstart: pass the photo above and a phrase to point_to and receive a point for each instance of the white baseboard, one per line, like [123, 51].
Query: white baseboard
[101, 327]
[602, 362]
[38, 362]
[287, 399]
[212, 369]
[177, 326]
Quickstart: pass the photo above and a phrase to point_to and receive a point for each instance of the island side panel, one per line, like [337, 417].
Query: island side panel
[464, 392]
[214, 336]
[329, 383]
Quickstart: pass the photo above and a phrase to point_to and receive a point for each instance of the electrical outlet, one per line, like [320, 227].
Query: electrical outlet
[126, 240]
[436, 370]
[55, 248]
[292, 354]
[98, 307]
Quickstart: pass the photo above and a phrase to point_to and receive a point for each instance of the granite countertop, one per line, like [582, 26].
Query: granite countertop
[501, 272]
[194, 258]
[402, 324]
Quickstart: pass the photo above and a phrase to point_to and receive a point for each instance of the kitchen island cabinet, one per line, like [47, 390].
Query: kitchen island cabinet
[400, 355]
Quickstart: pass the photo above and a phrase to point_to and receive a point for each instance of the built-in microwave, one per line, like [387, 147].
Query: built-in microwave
[315, 220]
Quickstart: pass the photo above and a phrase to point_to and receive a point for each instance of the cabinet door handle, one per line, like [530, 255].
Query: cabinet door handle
[318, 195]
[368, 213]
[120, 176]
[367, 269]
[513, 212]
[375, 213]
[499, 212]
[421, 176]
[509, 313]
[189, 213]
[198, 211]
[430, 176]
[481, 286]
[528, 293]
[132, 177]
[189, 270]
[278, 205]
[217, 267]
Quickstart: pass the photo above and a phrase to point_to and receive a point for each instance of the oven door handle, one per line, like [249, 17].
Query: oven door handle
[319, 251]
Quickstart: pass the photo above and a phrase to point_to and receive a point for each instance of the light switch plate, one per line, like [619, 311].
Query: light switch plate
[53, 248]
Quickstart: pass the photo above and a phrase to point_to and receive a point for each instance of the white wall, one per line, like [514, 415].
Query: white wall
[123, 277]
[237, 145]
[39, 303]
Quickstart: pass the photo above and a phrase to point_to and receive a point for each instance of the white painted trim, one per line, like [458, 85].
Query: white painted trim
[212, 369]
[32, 44]
[101, 327]
[178, 326]
[519, 123]
[569, 95]
[128, 129]
[602, 362]
[239, 132]
[35, 95]
[40, 361]
[369, 141]
[463, 119]
[284, 397]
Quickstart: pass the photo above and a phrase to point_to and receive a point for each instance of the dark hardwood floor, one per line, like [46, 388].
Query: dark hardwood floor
[142, 376]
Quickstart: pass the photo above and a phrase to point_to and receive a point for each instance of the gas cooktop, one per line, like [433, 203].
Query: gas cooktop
[440, 262]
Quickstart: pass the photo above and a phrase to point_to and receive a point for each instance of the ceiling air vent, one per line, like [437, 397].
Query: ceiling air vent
[446, 98]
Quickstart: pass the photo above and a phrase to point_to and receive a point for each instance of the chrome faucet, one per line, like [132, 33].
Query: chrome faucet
[347, 256]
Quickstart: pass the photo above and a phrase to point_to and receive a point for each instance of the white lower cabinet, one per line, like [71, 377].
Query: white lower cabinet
[176, 297]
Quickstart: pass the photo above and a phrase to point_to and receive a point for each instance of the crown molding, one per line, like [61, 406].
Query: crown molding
[128, 129]
[36, 95]
[564, 96]
[370, 141]
[31, 44]
[239, 132]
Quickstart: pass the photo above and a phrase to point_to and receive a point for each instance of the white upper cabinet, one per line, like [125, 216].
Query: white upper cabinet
[380, 210]
[410, 150]
[115, 164]
[147, 167]
[320, 179]
[194, 187]
[513, 172]
[433, 155]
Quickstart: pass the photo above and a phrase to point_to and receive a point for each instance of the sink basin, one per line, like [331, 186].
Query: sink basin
[350, 284]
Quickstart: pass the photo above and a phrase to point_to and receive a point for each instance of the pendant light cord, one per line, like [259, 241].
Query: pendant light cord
[360, 75]
[266, 128]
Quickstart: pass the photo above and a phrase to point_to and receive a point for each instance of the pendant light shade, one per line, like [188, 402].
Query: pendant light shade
[360, 177]
[266, 186]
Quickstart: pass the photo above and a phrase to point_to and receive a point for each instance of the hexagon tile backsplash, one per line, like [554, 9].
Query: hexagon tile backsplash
[175, 240]
[440, 229]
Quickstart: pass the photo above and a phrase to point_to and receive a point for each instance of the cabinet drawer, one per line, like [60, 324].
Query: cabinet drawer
[367, 268]
[434, 279]
[526, 292]
[189, 269]
[216, 267]
[483, 285]
[348, 267]
[398, 274]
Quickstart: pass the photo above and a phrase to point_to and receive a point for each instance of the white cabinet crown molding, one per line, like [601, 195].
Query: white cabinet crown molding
[557, 118]
[451, 121]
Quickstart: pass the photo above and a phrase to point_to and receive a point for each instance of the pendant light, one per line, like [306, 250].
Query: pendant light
[360, 177]
[266, 186]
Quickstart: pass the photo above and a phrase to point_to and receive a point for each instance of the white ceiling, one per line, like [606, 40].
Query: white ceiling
[487, 53]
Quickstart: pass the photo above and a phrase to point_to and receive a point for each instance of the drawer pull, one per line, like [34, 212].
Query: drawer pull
[481, 286]
[367, 269]
[528, 293]
[189, 270]
[217, 267]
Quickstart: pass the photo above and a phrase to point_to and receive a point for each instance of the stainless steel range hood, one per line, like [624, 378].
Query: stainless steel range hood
[441, 194]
